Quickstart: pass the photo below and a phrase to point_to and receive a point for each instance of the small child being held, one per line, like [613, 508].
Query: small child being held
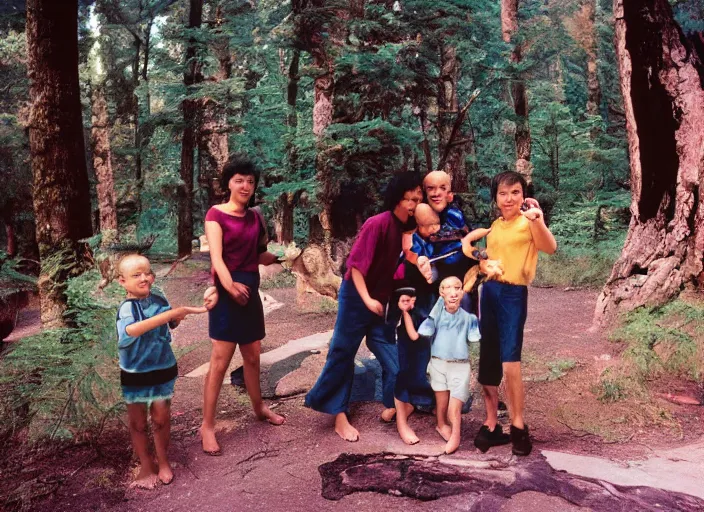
[427, 247]
[450, 329]
[148, 367]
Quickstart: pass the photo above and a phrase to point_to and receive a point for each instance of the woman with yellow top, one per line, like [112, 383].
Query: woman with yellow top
[515, 239]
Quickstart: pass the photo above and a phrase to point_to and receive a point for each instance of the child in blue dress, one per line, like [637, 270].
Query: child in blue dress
[148, 368]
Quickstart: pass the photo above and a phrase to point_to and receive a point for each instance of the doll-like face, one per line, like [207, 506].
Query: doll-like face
[136, 276]
[437, 185]
[509, 199]
[451, 291]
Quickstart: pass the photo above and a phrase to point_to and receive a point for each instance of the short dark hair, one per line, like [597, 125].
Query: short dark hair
[237, 164]
[398, 186]
[508, 178]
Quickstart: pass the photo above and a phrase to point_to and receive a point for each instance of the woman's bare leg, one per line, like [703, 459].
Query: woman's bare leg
[250, 356]
[220, 357]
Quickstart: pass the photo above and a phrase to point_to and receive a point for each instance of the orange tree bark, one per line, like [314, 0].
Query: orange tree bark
[102, 164]
[61, 192]
[519, 98]
[662, 85]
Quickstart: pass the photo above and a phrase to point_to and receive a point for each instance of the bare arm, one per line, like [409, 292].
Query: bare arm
[372, 305]
[410, 328]
[213, 233]
[173, 315]
[267, 258]
[406, 244]
[543, 238]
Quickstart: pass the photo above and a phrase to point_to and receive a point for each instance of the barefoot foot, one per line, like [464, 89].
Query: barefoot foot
[344, 429]
[264, 413]
[145, 479]
[452, 444]
[166, 475]
[407, 435]
[210, 444]
[445, 431]
[387, 415]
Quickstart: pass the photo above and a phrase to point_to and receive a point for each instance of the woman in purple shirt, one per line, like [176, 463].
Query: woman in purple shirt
[237, 243]
[367, 286]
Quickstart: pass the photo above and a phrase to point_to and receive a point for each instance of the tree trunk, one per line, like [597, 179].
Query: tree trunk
[454, 163]
[11, 238]
[61, 192]
[213, 129]
[191, 76]
[593, 87]
[212, 148]
[102, 163]
[661, 83]
[283, 220]
[509, 28]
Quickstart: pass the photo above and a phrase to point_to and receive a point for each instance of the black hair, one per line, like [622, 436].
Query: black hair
[508, 178]
[398, 186]
[237, 164]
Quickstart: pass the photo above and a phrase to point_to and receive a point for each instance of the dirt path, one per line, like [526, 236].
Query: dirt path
[290, 467]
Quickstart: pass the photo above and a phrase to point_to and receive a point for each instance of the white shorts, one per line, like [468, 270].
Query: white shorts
[450, 376]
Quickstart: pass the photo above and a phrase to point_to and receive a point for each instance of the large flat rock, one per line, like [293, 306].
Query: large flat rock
[679, 470]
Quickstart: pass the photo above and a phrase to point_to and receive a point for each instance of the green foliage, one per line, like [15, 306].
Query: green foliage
[610, 388]
[283, 279]
[667, 339]
[65, 382]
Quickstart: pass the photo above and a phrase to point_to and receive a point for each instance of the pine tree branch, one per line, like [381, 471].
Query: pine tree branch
[461, 115]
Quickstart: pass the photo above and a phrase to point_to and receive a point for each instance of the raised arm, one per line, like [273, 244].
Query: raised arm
[543, 238]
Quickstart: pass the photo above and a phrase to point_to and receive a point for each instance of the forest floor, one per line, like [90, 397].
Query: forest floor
[303, 465]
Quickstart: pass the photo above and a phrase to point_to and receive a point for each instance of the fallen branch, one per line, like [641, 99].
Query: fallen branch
[175, 263]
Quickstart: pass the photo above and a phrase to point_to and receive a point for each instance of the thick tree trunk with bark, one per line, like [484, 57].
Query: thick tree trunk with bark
[102, 164]
[452, 148]
[662, 85]
[517, 89]
[212, 148]
[213, 129]
[191, 76]
[61, 192]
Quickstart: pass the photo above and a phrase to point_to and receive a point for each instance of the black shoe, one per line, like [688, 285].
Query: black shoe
[487, 438]
[520, 440]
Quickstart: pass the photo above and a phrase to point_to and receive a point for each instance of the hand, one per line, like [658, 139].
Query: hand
[375, 307]
[210, 297]
[406, 303]
[534, 212]
[491, 268]
[240, 293]
[425, 269]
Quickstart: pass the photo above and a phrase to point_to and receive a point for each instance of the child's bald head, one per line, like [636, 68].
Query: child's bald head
[130, 262]
[427, 220]
[437, 178]
[451, 291]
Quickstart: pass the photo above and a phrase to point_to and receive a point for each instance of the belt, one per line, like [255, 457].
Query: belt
[451, 360]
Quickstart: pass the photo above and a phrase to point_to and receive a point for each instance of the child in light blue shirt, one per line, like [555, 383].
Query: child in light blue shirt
[450, 329]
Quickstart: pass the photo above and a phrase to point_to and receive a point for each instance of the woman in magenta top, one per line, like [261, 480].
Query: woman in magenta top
[237, 240]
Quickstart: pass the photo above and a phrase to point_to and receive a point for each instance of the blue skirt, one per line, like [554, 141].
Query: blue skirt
[228, 321]
[148, 394]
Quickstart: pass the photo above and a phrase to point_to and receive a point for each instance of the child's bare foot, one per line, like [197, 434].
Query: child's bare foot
[344, 429]
[145, 479]
[210, 444]
[166, 474]
[445, 431]
[407, 435]
[264, 413]
[387, 415]
[452, 444]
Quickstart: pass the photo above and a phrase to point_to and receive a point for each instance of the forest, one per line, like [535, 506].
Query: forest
[117, 116]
